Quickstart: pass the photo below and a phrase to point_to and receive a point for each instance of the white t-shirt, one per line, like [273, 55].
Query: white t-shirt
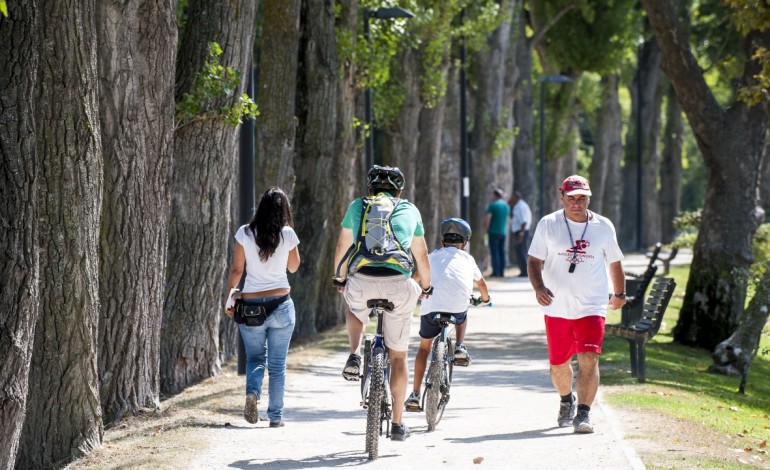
[262, 276]
[521, 215]
[452, 273]
[585, 291]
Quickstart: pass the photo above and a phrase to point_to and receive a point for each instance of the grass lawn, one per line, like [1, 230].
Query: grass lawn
[680, 390]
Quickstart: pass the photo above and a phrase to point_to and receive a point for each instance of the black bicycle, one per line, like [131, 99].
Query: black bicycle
[438, 380]
[375, 390]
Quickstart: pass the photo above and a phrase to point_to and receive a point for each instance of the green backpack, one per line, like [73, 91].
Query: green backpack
[376, 242]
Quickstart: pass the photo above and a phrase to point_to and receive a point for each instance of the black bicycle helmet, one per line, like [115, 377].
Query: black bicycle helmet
[385, 177]
[456, 229]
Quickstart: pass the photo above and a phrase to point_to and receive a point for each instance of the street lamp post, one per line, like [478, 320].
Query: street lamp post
[543, 81]
[465, 192]
[380, 14]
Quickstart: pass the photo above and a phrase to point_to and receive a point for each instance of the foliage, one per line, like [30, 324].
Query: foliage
[686, 225]
[212, 83]
[761, 245]
[596, 35]
[4, 8]
[748, 16]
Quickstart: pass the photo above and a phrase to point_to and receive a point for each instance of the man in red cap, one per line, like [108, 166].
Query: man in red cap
[569, 258]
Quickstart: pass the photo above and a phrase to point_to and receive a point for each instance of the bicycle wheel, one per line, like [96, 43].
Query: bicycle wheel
[365, 376]
[376, 392]
[433, 402]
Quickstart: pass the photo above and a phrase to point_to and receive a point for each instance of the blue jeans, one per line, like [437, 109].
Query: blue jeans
[269, 343]
[497, 251]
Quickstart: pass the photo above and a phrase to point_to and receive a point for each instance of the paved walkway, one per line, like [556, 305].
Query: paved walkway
[503, 409]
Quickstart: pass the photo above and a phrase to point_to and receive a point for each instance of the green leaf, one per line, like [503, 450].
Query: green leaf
[4, 8]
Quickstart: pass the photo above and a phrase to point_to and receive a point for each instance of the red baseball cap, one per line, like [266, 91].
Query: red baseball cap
[575, 185]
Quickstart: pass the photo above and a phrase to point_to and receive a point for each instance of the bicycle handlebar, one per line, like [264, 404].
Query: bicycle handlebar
[476, 301]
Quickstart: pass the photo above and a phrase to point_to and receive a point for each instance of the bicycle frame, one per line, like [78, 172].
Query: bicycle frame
[439, 375]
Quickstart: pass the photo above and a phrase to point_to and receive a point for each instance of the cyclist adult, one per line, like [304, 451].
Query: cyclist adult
[266, 247]
[382, 280]
[571, 253]
[454, 271]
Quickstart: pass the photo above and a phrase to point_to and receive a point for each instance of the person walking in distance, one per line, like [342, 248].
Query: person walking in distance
[266, 248]
[571, 253]
[381, 240]
[521, 220]
[496, 226]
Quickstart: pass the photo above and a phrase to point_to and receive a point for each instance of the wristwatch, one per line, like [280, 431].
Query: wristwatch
[622, 295]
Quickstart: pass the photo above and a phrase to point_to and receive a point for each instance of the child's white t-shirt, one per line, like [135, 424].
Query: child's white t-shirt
[452, 273]
[270, 274]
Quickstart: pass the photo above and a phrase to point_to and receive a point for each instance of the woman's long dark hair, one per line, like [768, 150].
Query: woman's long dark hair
[273, 213]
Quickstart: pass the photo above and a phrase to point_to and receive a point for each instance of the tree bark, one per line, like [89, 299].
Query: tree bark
[137, 47]
[607, 149]
[732, 144]
[524, 158]
[489, 169]
[734, 355]
[63, 419]
[449, 183]
[316, 167]
[204, 168]
[648, 72]
[19, 265]
[671, 167]
[277, 124]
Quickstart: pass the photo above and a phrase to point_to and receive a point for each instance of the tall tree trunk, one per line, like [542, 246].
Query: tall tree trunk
[489, 169]
[764, 182]
[19, 265]
[449, 183]
[431, 123]
[400, 139]
[671, 167]
[648, 72]
[204, 167]
[524, 173]
[137, 47]
[608, 148]
[734, 355]
[63, 419]
[612, 130]
[732, 143]
[277, 124]
[315, 167]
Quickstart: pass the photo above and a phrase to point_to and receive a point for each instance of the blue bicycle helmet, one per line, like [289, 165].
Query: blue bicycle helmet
[385, 177]
[455, 229]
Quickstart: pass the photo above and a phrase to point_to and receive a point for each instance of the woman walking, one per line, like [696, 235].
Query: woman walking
[266, 248]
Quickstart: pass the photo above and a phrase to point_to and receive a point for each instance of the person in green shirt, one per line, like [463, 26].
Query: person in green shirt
[361, 276]
[496, 226]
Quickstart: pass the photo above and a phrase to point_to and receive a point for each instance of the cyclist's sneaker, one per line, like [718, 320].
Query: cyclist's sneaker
[352, 370]
[461, 356]
[399, 432]
[582, 423]
[413, 402]
[567, 413]
[250, 410]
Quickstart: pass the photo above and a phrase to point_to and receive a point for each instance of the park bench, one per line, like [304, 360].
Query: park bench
[653, 256]
[646, 327]
[667, 259]
[635, 290]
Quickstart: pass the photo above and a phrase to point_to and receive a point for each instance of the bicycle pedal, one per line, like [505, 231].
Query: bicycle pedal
[351, 377]
[462, 362]
[413, 409]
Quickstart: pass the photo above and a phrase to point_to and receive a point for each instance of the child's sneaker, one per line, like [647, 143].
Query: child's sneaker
[413, 402]
[461, 356]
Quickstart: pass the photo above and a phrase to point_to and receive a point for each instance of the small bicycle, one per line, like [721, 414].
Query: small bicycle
[375, 374]
[438, 380]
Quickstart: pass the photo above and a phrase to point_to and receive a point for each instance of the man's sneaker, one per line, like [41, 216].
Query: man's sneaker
[352, 370]
[567, 413]
[582, 423]
[413, 402]
[399, 432]
[250, 412]
[461, 356]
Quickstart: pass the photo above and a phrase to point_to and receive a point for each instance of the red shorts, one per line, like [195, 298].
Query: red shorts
[567, 337]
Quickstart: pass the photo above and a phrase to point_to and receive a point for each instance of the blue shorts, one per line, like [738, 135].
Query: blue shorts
[430, 329]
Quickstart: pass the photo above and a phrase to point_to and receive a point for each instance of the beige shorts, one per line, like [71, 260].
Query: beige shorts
[402, 291]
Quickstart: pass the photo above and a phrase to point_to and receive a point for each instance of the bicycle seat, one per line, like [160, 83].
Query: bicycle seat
[382, 304]
[444, 317]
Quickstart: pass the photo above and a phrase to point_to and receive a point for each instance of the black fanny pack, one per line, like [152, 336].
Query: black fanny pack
[256, 314]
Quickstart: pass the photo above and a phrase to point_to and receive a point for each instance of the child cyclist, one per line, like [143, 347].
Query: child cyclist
[453, 272]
